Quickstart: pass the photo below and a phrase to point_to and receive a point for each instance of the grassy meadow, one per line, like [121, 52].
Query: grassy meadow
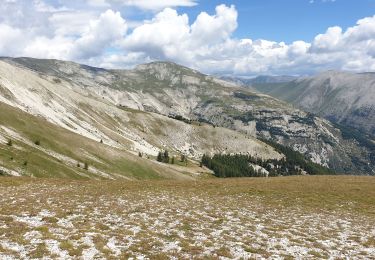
[306, 217]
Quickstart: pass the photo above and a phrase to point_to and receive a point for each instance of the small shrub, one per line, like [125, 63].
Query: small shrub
[183, 158]
[78, 165]
[37, 142]
[25, 163]
[163, 157]
[139, 154]
[9, 143]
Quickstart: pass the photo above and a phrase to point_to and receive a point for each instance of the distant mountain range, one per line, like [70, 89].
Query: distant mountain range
[115, 115]
[342, 97]
[258, 80]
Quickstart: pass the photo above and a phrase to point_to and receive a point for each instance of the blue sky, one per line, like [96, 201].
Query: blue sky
[289, 20]
[278, 20]
[294, 37]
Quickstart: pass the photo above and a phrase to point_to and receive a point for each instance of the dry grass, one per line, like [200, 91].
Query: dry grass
[304, 217]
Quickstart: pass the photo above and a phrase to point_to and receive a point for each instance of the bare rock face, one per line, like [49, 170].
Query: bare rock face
[342, 97]
[214, 116]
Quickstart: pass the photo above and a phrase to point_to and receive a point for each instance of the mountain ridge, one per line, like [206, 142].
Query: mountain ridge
[157, 91]
[342, 97]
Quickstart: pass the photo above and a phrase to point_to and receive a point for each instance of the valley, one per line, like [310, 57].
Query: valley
[163, 106]
[113, 164]
[342, 97]
[187, 129]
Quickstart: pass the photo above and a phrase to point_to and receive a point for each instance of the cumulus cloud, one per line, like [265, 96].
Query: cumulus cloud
[328, 41]
[101, 36]
[352, 49]
[71, 23]
[47, 31]
[98, 3]
[209, 29]
[162, 37]
[207, 45]
[11, 38]
[144, 4]
[169, 35]
[51, 48]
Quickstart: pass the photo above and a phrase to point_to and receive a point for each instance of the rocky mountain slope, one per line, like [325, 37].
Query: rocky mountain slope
[166, 106]
[263, 79]
[341, 97]
[32, 146]
[108, 136]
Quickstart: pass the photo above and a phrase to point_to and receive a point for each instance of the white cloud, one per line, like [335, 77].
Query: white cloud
[98, 3]
[212, 29]
[41, 6]
[100, 36]
[157, 4]
[153, 5]
[363, 31]
[169, 35]
[207, 45]
[11, 40]
[58, 32]
[162, 37]
[51, 48]
[352, 49]
[298, 48]
[329, 41]
[71, 23]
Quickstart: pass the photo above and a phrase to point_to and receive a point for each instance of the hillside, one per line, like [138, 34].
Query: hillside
[342, 97]
[42, 149]
[74, 126]
[163, 105]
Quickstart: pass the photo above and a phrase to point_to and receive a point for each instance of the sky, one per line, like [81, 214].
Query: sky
[243, 37]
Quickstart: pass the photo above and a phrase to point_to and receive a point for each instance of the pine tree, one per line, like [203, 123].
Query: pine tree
[166, 157]
[159, 158]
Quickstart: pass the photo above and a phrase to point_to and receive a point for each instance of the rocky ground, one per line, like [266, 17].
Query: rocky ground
[288, 217]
